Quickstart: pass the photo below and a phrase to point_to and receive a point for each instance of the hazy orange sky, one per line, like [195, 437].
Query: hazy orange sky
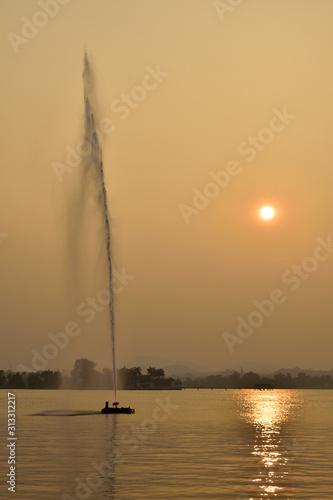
[208, 111]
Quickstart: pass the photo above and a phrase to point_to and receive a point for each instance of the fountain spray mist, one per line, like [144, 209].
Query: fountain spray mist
[95, 162]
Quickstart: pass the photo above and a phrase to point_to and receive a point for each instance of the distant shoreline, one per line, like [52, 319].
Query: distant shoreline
[174, 389]
[85, 377]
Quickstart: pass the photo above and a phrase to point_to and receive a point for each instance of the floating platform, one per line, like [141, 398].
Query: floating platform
[115, 409]
[263, 387]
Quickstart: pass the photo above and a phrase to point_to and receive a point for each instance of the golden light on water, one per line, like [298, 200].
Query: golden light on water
[268, 412]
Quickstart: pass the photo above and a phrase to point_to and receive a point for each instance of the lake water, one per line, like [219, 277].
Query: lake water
[190, 444]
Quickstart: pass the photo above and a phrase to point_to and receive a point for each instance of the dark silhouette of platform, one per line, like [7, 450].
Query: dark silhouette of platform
[263, 387]
[115, 409]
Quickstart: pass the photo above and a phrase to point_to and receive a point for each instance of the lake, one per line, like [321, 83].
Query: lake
[189, 444]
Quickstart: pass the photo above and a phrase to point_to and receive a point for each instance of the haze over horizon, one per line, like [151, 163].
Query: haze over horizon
[205, 117]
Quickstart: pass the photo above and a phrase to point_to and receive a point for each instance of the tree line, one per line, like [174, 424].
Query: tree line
[30, 380]
[85, 376]
[248, 381]
[133, 378]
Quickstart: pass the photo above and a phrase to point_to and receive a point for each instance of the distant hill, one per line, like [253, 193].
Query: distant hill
[261, 368]
[295, 371]
[184, 369]
[172, 368]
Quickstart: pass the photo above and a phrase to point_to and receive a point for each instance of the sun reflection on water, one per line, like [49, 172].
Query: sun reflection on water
[268, 412]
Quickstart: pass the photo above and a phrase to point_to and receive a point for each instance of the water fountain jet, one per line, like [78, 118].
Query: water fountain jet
[95, 162]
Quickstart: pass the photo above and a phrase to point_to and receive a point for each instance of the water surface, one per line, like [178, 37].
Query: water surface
[190, 444]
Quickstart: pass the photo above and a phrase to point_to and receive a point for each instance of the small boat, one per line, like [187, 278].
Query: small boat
[115, 409]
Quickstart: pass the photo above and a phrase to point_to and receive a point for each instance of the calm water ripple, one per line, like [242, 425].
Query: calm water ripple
[190, 444]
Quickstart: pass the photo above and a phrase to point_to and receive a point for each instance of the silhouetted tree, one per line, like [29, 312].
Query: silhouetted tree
[15, 381]
[235, 380]
[34, 380]
[155, 372]
[282, 381]
[82, 373]
[249, 379]
[132, 378]
[52, 380]
[129, 377]
[3, 379]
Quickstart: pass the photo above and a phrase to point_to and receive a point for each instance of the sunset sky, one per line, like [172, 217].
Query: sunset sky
[207, 113]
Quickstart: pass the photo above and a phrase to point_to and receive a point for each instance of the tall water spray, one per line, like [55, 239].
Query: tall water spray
[94, 162]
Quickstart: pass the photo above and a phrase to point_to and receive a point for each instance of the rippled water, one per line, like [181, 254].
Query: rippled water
[190, 444]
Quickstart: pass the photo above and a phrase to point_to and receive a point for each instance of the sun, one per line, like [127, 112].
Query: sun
[267, 212]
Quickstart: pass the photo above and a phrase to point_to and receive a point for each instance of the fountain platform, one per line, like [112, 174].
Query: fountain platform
[115, 409]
